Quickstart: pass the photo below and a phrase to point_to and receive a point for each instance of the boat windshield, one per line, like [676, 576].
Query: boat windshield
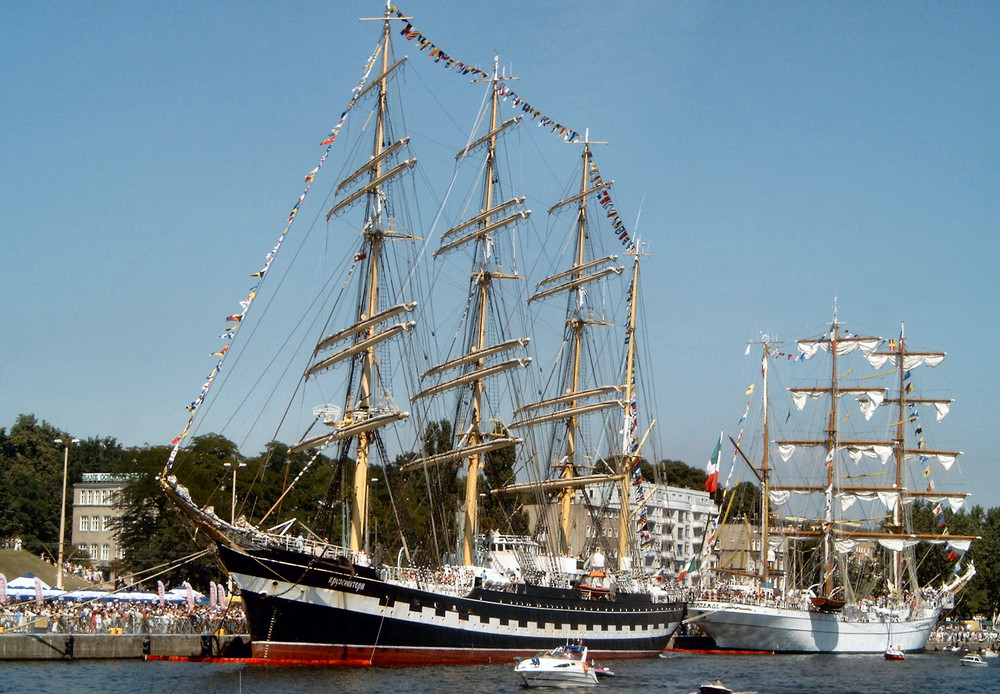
[566, 653]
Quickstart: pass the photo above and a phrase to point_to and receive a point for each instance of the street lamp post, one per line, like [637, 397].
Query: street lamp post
[62, 509]
[232, 508]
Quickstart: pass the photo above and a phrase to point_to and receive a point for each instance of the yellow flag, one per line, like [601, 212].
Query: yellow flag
[750, 389]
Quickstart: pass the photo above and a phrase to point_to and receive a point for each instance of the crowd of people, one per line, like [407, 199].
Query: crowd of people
[965, 636]
[130, 617]
[89, 574]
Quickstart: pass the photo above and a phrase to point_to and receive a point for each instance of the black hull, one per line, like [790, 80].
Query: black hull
[303, 609]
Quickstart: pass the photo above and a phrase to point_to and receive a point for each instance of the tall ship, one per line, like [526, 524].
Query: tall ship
[405, 359]
[834, 569]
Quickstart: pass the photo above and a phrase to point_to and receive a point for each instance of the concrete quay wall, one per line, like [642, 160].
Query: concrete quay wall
[971, 645]
[121, 646]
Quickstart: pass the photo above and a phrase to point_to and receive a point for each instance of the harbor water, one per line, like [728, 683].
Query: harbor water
[679, 673]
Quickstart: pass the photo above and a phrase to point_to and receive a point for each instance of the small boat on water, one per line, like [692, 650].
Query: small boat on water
[602, 672]
[565, 666]
[894, 653]
[973, 659]
[717, 688]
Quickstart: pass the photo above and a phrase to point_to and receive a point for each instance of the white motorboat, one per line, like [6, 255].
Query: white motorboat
[973, 659]
[565, 666]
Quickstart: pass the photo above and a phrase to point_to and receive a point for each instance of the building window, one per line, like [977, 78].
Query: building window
[107, 523]
[106, 497]
[82, 548]
[93, 551]
[105, 552]
[84, 523]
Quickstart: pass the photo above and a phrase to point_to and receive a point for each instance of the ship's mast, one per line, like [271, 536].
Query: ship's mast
[483, 284]
[765, 470]
[474, 441]
[831, 463]
[905, 360]
[374, 229]
[897, 509]
[575, 397]
[628, 454]
[576, 322]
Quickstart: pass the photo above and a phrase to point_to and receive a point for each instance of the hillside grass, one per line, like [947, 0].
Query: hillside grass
[15, 563]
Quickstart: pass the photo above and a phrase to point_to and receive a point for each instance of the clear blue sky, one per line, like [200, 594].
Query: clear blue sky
[777, 155]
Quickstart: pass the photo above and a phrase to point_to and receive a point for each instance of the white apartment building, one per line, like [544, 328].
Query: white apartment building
[676, 518]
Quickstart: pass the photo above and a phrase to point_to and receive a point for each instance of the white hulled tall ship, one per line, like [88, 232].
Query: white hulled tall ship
[851, 600]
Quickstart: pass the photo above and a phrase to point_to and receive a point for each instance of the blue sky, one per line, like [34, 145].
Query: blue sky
[773, 157]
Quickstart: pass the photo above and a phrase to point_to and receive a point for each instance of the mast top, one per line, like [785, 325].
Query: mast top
[586, 141]
[389, 9]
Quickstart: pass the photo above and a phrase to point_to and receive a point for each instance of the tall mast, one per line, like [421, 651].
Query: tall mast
[483, 283]
[368, 406]
[576, 395]
[897, 509]
[906, 360]
[475, 440]
[628, 454]
[576, 322]
[373, 231]
[765, 469]
[831, 462]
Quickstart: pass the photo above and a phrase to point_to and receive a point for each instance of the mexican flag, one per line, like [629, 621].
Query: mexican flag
[690, 567]
[712, 481]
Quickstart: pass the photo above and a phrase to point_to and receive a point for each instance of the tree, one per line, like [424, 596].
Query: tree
[678, 474]
[501, 512]
[31, 465]
[153, 536]
[742, 501]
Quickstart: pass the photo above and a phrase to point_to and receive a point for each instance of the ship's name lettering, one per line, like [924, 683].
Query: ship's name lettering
[336, 582]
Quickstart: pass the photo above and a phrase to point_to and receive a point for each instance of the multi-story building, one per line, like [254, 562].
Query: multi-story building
[95, 508]
[676, 518]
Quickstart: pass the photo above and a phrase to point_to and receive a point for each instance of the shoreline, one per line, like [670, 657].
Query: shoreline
[48, 646]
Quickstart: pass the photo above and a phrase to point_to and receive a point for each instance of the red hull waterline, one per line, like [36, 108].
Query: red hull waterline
[354, 655]
[252, 661]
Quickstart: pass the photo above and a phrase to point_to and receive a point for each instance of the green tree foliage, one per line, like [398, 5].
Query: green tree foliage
[31, 467]
[677, 474]
[502, 513]
[420, 505]
[742, 501]
[153, 536]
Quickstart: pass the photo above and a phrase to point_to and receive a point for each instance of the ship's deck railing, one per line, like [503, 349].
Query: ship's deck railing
[455, 581]
[316, 548]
